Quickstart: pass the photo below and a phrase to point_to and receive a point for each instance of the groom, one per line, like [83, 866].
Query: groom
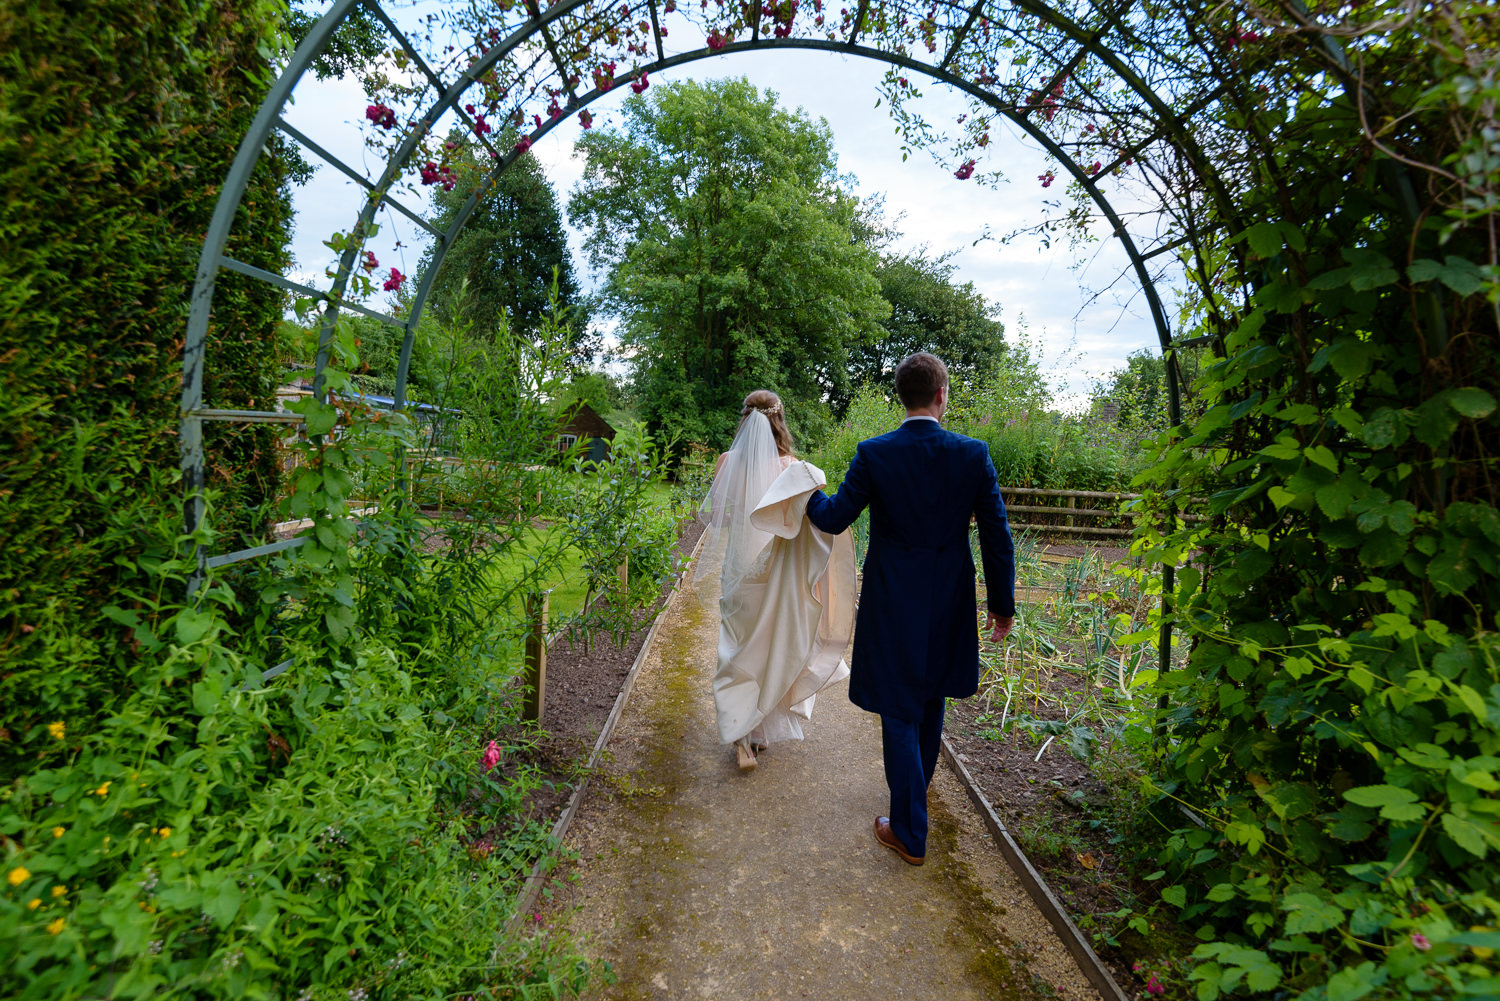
[915, 641]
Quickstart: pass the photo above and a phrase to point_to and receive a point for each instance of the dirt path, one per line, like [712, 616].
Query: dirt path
[697, 881]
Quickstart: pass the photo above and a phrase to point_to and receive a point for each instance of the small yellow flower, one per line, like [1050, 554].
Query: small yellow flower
[166, 832]
[56, 926]
[58, 730]
[58, 891]
[33, 903]
[102, 790]
[58, 832]
[18, 876]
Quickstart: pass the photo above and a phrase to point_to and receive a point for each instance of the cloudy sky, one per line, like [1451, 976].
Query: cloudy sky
[1052, 294]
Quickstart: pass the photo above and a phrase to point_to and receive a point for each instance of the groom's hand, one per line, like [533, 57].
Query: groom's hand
[999, 627]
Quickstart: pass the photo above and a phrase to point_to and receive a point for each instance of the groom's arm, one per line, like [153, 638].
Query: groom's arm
[836, 513]
[996, 549]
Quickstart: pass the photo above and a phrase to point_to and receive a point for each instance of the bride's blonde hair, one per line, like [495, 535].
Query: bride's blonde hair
[769, 404]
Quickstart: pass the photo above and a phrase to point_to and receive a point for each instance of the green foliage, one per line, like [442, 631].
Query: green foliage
[121, 122]
[510, 252]
[326, 833]
[731, 253]
[1337, 724]
[929, 312]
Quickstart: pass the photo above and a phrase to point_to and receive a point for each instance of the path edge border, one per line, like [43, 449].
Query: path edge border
[1041, 894]
[543, 865]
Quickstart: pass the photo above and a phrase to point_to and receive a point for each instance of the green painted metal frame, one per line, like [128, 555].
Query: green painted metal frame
[1171, 128]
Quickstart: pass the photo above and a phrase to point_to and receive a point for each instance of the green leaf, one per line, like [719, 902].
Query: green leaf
[1452, 570]
[1467, 834]
[321, 417]
[1386, 427]
[1280, 496]
[1335, 498]
[1265, 239]
[1369, 269]
[1353, 983]
[192, 624]
[1436, 420]
[1176, 895]
[1379, 795]
[1308, 913]
[1323, 456]
[1460, 275]
[1472, 402]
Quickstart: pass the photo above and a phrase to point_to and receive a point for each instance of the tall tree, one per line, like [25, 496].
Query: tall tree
[504, 257]
[732, 254]
[929, 312]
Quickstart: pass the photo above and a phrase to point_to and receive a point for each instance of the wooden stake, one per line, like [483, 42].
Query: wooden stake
[623, 572]
[536, 657]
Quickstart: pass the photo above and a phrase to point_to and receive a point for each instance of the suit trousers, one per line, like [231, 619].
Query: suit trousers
[911, 753]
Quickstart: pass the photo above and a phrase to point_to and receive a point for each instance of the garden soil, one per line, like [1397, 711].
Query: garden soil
[694, 880]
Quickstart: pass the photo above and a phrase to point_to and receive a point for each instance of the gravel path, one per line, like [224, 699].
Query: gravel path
[696, 881]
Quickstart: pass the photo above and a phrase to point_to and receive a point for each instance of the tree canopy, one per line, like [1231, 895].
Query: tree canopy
[731, 253]
[929, 312]
[504, 257]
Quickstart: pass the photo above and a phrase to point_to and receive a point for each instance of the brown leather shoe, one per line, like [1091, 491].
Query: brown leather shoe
[887, 837]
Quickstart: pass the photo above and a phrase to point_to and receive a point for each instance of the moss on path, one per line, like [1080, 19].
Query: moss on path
[697, 881]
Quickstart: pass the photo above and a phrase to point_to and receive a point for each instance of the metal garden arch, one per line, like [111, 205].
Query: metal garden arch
[563, 39]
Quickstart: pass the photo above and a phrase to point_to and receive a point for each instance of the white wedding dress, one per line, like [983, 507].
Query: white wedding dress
[787, 594]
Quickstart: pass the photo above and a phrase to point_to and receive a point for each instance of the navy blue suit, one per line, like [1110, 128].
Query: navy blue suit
[916, 636]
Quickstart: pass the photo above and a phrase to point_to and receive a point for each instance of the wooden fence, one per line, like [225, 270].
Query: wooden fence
[1059, 513]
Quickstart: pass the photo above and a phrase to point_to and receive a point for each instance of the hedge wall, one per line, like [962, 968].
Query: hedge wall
[120, 121]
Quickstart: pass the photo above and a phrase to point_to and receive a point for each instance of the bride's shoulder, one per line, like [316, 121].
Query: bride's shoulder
[786, 460]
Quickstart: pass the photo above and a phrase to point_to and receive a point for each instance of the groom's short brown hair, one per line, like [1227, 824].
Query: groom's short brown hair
[919, 378]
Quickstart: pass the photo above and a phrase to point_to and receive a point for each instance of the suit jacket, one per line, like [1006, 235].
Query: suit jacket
[916, 634]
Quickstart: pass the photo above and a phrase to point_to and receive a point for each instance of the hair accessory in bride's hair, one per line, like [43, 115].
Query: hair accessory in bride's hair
[768, 411]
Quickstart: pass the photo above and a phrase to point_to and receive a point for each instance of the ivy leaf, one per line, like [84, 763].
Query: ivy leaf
[1460, 275]
[1472, 402]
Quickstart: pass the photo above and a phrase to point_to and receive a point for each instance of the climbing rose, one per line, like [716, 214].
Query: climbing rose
[523, 145]
[491, 756]
[481, 126]
[1420, 941]
[585, 119]
[1093, 168]
[381, 115]
[717, 41]
[965, 171]
[394, 281]
[1154, 986]
[429, 173]
[1046, 179]
[639, 86]
[370, 263]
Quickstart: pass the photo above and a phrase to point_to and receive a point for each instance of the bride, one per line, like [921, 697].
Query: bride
[787, 590]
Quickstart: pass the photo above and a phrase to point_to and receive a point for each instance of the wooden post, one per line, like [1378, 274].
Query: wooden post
[623, 572]
[1072, 503]
[536, 657]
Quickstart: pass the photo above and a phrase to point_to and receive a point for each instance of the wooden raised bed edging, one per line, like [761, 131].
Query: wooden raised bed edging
[1036, 887]
[538, 876]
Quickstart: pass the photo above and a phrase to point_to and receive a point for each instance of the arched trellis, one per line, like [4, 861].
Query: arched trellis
[863, 32]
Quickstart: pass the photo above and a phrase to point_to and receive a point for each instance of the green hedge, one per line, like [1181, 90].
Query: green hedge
[120, 122]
